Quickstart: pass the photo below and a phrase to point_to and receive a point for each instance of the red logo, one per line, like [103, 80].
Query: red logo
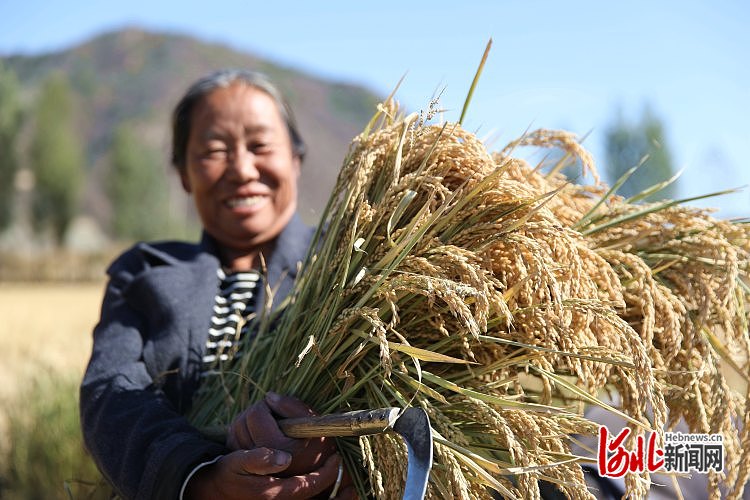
[614, 460]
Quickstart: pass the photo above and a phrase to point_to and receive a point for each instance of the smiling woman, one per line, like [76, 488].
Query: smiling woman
[241, 171]
[172, 308]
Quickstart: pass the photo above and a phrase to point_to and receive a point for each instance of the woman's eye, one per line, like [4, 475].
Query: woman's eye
[216, 153]
[259, 147]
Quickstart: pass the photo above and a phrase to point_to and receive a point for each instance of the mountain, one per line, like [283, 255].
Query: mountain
[135, 76]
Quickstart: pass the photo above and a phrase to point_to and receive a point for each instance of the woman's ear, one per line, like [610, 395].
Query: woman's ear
[185, 179]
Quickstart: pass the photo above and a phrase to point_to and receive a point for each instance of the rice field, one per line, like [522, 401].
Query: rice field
[45, 325]
[45, 338]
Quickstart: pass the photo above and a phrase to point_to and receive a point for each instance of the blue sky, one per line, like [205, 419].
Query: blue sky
[553, 64]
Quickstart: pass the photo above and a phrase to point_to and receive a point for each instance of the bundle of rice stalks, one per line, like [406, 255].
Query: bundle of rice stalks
[684, 279]
[439, 278]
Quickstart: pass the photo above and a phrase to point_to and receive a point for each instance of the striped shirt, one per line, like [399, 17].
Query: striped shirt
[234, 307]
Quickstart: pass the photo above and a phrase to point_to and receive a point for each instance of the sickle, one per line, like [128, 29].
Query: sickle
[412, 424]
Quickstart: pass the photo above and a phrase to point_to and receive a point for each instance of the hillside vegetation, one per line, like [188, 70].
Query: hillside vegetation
[132, 78]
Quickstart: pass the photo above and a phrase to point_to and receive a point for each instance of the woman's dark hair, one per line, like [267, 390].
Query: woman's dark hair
[222, 79]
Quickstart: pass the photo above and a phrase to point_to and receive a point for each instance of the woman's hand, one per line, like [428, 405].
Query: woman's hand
[271, 464]
[257, 427]
[246, 474]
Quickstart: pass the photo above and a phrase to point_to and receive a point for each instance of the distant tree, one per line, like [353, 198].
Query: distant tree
[627, 144]
[137, 188]
[559, 161]
[56, 156]
[10, 125]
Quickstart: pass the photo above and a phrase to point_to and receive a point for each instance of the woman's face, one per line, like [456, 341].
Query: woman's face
[240, 167]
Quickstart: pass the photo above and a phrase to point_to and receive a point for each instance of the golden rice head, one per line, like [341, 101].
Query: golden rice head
[650, 307]
[534, 440]
[558, 139]
[391, 464]
[743, 469]
[452, 152]
[696, 262]
[557, 305]
[571, 202]
[546, 266]
[369, 460]
[451, 480]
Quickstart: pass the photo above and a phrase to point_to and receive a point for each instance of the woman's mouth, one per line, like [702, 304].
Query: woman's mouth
[245, 201]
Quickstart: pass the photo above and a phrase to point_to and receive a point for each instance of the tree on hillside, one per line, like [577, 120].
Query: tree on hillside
[561, 162]
[56, 158]
[10, 124]
[628, 143]
[137, 188]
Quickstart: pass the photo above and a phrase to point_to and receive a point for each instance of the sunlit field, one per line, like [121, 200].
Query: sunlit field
[45, 341]
[45, 325]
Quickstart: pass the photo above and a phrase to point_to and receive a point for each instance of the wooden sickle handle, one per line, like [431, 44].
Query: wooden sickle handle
[353, 423]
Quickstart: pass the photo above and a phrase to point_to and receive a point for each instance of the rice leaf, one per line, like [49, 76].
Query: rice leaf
[651, 209]
[475, 81]
[588, 397]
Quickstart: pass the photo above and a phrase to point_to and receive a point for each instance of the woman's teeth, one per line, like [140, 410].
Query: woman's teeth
[245, 202]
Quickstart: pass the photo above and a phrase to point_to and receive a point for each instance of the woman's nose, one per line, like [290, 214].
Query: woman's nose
[242, 166]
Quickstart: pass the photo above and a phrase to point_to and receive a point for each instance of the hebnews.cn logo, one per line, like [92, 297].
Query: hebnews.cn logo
[682, 453]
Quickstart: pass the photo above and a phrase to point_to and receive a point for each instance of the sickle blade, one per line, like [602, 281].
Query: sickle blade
[414, 426]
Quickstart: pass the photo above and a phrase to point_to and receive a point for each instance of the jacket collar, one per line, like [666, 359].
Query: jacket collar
[288, 251]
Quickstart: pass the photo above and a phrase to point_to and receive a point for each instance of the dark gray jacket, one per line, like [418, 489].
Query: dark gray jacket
[146, 360]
